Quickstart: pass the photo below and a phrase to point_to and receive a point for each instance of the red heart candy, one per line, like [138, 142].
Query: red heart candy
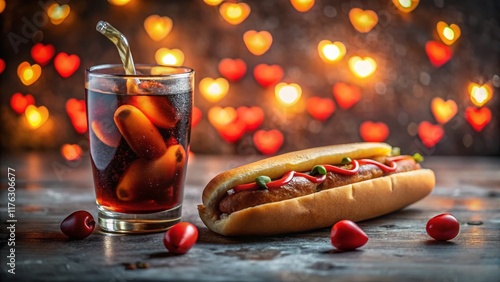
[66, 64]
[267, 75]
[347, 236]
[430, 134]
[438, 53]
[2, 65]
[76, 111]
[346, 95]
[18, 102]
[231, 69]
[196, 116]
[233, 131]
[252, 117]
[478, 118]
[374, 131]
[320, 108]
[268, 142]
[42, 53]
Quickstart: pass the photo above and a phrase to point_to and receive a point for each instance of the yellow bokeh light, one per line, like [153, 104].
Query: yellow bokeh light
[28, 74]
[58, 13]
[332, 52]
[170, 57]
[2, 6]
[212, 2]
[362, 67]
[448, 33]
[302, 5]
[36, 116]
[119, 2]
[234, 13]
[405, 3]
[480, 94]
[288, 94]
[214, 89]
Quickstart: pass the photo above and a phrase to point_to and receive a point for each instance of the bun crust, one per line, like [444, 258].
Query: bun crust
[358, 201]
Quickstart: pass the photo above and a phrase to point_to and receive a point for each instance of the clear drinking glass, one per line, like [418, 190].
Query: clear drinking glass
[139, 131]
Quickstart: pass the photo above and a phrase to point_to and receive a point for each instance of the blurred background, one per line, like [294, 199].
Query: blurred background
[271, 76]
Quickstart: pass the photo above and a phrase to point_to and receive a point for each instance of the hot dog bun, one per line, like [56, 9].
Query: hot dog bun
[358, 201]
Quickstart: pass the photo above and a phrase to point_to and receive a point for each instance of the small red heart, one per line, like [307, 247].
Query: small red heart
[18, 102]
[267, 75]
[429, 133]
[2, 66]
[231, 69]
[374, 131]
[268, 142]
[347, 236]
[196, 116]
[66, 64]
[252, 117]
[320, 108]
[438, 53]
[233, 131]
[76, 110]
[42, 53]
[478, 118]
[346, 95]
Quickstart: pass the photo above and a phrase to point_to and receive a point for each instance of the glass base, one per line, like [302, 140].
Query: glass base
[111, 221]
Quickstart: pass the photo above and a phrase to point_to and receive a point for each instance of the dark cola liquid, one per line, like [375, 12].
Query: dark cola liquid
[131, 176]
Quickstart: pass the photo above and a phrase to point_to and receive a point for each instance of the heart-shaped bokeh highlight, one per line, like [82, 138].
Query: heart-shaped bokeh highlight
[251, 116]
[220, 117]
[480, 94]
[258, 42]
[320, 108]
[371, 131]
[233, 131]
[442, 110]
[71, 152]
[76, 111]
[158, 27]
[232, 69]
[346, 95]
[267, 75]
[438, 53]
[430, 134]
[42, 54]
[448, 33]
[58, 13]
[214, 89]
[268, 142]
[331, 52]
[362, 67]
[363, 20]
[287, 94]
[36, 116]
[478, 118]
[302, 5]
[66, 64]
[406, 6]
[169, 57]
[28, 74]
[19, 102]
[234, 13]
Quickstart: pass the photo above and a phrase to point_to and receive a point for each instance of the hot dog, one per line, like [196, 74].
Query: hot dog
[313, 189]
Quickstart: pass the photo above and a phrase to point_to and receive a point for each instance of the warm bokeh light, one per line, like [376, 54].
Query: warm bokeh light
[66, 64]
[258, 42]
[2, 65]
[287, 94]
[406, 6]
[36, 116]
[220, 117]
[480, 94]
[268, 142]
[2, 6]
[27, 73]
[169, 57]
[438, 53]
[320, 108]
[119, 2]
[346, 95]
[212, 2]
[234, 13]
[76, 110]
[71, 152]
[448, 33]
[371, 131]
[362, 67]
[302, 5]
[158, 27]
[251, 116]
[42, 54]
[430, 134]
[58, 13]
[363, 20]
[214, 89]
[331, 51]
[232, 69]
[19, 102]
[442, 110]
[267, 75]
[478, 118]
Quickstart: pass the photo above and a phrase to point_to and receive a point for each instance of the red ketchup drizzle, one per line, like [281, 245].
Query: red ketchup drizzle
[275, 184]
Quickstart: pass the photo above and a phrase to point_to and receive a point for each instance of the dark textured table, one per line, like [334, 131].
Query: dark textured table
[49, 188]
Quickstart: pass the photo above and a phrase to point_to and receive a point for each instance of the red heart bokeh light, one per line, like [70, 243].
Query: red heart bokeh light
[76, 110]
[438, 53]
[267, 75]
[268, 142]
[320, 108]
[252, 117]
[346, 95]
[373, 131]
[233, 131]
[42, 54]
[430, 134]
[478, 118]
[2, 66]
[232, 69]
[66, 64]
[19, 102]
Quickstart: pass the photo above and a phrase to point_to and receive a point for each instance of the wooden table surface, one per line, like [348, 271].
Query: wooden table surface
[48, 189]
